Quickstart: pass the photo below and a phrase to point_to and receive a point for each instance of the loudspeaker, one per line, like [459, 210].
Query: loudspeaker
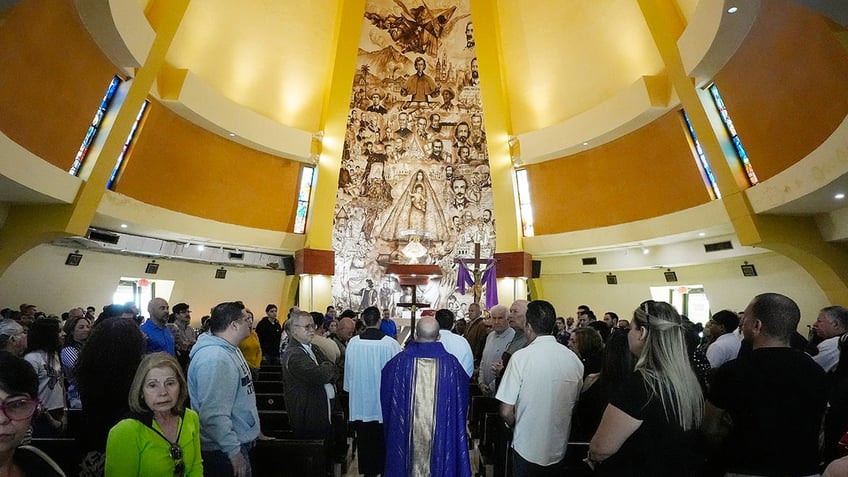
[537, 269]
[288, 264]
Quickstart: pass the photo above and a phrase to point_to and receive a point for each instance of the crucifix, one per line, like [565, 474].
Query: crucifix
[413, 275]
[413, 306]
[477, 266]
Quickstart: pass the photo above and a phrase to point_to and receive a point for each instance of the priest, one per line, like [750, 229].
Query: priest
[424, 397]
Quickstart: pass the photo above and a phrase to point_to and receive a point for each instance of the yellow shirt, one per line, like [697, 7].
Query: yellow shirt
[251, 350]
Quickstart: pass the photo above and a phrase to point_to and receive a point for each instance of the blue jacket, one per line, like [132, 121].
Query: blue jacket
[221, 392]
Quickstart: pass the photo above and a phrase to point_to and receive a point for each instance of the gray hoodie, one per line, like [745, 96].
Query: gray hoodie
[222, 393]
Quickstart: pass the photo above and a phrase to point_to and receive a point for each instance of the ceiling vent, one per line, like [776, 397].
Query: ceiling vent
[104, 237]
[718, 246]
[590, 261]
[236, 255]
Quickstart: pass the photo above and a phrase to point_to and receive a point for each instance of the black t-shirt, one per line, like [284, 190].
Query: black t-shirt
[776, 398]
[659, 447]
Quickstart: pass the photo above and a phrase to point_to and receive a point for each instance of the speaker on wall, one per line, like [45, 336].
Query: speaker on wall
[537, 268]
[288, 264]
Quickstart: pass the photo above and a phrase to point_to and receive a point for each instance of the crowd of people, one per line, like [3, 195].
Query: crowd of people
[652, 395]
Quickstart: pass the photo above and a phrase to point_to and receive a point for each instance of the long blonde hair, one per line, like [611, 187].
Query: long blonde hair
[664, 363]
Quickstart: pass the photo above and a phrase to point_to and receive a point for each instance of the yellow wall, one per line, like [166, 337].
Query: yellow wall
[618, 182]
[41, 277]
[179, 166]
[52, 81]
[723, 283]
[787, 86]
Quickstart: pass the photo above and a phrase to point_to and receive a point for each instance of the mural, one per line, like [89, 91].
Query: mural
[414, 185]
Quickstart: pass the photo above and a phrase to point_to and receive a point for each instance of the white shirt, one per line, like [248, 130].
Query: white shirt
[543, 381]
[723, 349]
[364, 361]
[459, 347]
[496, 344]
[828, 356]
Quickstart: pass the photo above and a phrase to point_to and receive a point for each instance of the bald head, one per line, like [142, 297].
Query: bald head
[427, 330]
[158, 310]
[345, 329]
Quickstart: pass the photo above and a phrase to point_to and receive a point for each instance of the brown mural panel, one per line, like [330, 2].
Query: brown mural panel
[786, 88]
[179, 166]
[644, 174]
[53, 78]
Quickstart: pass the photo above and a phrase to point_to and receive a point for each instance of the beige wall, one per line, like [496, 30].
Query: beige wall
[723, 283]
[41, 277]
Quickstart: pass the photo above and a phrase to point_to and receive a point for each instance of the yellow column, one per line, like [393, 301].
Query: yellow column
[498, 122]
[28, 226]
[319, 228]
[797, 239]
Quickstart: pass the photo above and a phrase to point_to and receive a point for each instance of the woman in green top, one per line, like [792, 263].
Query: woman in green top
[161, 437]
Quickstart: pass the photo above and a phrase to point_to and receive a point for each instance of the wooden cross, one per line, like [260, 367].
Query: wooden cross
[476, 272]
[413, 306]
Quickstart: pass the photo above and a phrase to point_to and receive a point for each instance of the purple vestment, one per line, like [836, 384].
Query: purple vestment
[424, 397]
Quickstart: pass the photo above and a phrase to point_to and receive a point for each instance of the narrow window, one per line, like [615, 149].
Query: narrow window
[94, 127]
[734, 137]
[119, 164]
[307, 180]
[524, 204]
[702, 159]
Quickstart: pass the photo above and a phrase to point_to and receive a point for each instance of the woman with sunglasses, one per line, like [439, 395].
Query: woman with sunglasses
[161, 437]
[659, 406]
[18, 403]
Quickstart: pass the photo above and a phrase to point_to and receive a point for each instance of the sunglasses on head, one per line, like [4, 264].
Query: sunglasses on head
[177, 454]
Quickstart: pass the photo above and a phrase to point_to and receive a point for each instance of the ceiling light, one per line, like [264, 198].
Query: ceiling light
[839, 196]
[232, 134]
[200, 247]
[123, 226]
[585, 143]
[645, 250]
[701, 234]
[732, 10]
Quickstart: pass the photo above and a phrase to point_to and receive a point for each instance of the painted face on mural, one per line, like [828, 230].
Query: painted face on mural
[462, 132]
[459, 187]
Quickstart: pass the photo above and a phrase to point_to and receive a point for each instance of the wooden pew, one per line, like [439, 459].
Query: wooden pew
[65, 451]
[290, 457]
[270, 401]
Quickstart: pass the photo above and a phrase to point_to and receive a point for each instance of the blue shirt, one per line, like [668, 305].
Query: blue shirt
[158, 339]
[389, 328]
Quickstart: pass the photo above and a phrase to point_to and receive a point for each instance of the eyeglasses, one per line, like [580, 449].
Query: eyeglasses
[177, 454]
[19, 409]
[310, 326]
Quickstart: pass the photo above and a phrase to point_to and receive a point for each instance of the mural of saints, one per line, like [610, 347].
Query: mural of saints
[415, 161]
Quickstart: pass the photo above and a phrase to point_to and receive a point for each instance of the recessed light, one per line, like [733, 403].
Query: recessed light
[200, 247]
[646, 251]
[701, 234]
[839, 196]
[232, 134]
[585, 143]
[123, 226]
[732, 10]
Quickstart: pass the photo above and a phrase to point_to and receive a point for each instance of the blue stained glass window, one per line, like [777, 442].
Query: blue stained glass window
[702, 158]
[734, 137]
[307, 181]
[94, 127]
[130, 137]
[524, 204]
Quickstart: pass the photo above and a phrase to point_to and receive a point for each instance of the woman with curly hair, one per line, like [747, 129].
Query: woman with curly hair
[76, 331]
[44, 342]
[659, 406]
[105, 371]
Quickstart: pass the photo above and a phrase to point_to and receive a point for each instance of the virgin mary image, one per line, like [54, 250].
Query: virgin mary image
[416, 209]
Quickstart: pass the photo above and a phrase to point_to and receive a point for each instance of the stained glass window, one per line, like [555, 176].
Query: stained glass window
[307, 180]
[734, 137]
[94, 127]
[524, 204]
[702, 158]
[130, 137]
